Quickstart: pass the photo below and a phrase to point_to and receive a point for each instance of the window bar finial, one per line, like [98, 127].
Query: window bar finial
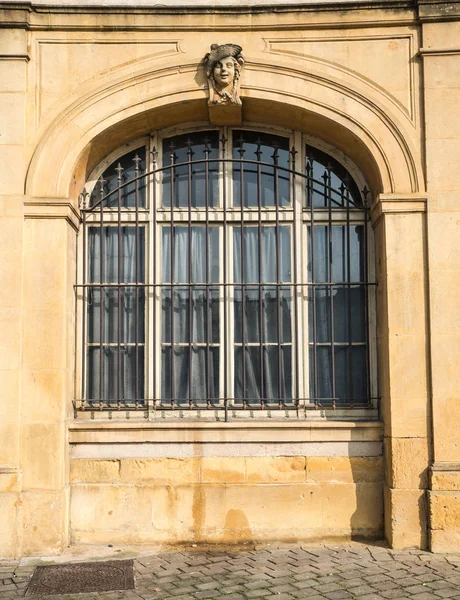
[154, 153]
[241, 149]
[258, 149]
[83, 199]
[293, 152]
[223, 144]
[365, 193]
[275, 155]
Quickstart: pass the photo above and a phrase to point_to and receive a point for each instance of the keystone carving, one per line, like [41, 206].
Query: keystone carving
[224, 65]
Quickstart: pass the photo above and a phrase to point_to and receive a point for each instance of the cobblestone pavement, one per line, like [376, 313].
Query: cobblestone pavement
[315, 572]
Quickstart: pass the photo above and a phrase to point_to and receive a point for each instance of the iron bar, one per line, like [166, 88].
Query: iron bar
[119, 170]
[172, 241]
[190, 289]
[296, 302]
[313, 278]
[227, 160]
[349, 331]
[154, 269]
[330, 276]
[136, 321]
[366, 300]
[208, 307]
[261, 287]
[85, 308]
[278, 272]
[224, 233]
[241, 151]
[101, 299]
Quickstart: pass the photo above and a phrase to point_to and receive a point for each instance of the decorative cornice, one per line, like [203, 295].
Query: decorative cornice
[397, 204]
[78, 17]
[25, 57]
[52, 209]
[423, 52]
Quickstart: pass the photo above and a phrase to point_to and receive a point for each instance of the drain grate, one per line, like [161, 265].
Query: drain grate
[78, 578]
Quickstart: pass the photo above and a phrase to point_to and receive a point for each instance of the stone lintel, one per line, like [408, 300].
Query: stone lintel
[223, 433]
[397, 204]
[53, 208]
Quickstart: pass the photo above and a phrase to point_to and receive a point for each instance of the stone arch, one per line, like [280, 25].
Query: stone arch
[347, 111]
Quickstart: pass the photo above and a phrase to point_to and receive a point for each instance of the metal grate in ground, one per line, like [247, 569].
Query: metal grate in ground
[79, 578]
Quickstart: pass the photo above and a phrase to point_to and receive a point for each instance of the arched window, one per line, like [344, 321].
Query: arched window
[227, 270]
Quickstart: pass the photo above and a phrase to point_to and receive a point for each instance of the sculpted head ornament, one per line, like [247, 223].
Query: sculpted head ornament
[224, 65]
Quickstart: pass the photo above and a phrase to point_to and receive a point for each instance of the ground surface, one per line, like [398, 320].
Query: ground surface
[315, 572]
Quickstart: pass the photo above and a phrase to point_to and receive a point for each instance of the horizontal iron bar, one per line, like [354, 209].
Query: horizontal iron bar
[285, 284]
[238, 161]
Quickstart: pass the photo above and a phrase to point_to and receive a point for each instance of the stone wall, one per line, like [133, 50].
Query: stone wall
[225, 500]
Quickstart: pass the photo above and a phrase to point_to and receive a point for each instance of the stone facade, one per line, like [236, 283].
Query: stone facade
[377, 81]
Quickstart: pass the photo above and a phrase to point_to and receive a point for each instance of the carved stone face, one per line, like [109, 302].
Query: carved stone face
[224, 71]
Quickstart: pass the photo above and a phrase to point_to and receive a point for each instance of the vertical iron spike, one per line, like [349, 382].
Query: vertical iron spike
[241, 149]
[293, 153]
[365, 193]
[190, 152]
[275, 155]
[207, 149]
[102, 183]
[119, 169]
[136, 161]
[154, 153]
[83, 199]
[223, 142]
[172, 153]
[259, 151]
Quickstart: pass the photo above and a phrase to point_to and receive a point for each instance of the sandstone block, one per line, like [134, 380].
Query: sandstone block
[223, 470]
[344, 469]
[279, 469]
[405, 518]
[9, 504]
[94, 471]
[406, 462]
[160, 470]
[44, 518]
[445, 481]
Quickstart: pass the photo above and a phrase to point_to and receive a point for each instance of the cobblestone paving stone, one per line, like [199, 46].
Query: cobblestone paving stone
[326, 572]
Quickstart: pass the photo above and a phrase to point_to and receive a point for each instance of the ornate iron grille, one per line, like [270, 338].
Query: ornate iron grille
[221, 277]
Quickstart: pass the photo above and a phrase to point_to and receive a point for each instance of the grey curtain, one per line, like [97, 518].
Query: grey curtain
[115, 314]
[262, 330]
[342, 303]
[190, 321]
